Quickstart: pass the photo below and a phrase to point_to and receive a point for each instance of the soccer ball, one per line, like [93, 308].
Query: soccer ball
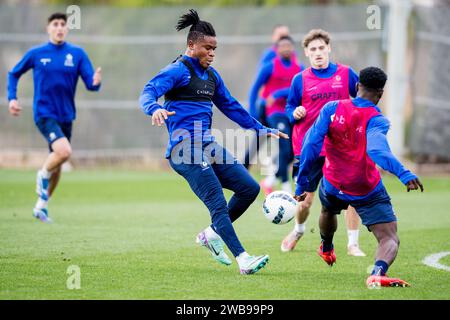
[279, 207]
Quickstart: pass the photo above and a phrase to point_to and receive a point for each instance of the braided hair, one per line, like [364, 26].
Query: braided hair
[199, 28]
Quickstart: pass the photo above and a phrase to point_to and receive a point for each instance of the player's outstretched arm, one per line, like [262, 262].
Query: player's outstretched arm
[379, 151]
[414, 184]
[312, 145]
[277, 134]
[160, 116]
[156, 87]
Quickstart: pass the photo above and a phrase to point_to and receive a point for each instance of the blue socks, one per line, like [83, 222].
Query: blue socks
[380, 268]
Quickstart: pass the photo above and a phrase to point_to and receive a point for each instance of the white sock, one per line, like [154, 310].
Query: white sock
[353, 236]
[269, 181]
[286, 186]
[211, 234]
[41, 204]
[300, 228]
[45, 173]
[240, 258]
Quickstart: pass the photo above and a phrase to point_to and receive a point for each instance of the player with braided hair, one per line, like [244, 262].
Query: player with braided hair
[191, 87]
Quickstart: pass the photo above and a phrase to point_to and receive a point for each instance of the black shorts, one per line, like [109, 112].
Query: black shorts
[53, 130]
[314, 176]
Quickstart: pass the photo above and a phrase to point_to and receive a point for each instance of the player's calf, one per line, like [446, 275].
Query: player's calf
[64, 153]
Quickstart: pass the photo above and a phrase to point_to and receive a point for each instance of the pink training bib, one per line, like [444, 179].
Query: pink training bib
[316, 93]
[347, 165]
[281, 78]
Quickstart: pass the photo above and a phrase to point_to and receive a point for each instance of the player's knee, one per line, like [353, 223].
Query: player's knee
[248, 191]
[64, 153]
[254, 189]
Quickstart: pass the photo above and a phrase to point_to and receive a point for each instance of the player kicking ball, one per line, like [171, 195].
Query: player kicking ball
[57, 65]
[191, 86]
[353, 133]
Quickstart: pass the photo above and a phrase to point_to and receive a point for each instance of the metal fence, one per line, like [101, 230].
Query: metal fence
[132, 45]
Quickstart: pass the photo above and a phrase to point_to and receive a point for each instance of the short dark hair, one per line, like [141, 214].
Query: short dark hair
[372, 78]
[56, 16]
[198, 29]
[288, 38]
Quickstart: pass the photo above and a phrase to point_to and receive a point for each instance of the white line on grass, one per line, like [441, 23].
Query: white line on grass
[433, 260]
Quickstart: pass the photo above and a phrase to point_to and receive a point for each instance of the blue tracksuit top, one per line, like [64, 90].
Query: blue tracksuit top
[55, 75]
[192, 116]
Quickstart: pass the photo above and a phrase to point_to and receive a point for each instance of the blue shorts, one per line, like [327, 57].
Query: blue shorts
[53, 130]
[314, 176]
[373, 210]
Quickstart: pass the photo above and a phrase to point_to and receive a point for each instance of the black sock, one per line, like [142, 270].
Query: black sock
[327, 243]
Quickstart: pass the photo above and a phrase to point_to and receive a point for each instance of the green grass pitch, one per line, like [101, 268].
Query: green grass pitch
[132, 236]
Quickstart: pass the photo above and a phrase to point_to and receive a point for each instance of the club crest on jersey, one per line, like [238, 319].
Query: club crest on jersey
[69, 60]
[44, 61]
[337, 82]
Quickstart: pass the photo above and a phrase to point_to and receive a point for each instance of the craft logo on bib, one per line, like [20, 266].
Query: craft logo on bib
[69, 60]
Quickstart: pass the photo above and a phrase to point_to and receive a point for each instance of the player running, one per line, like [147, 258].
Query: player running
[324, 81]
[353, 133]
[56, 66]
[275, 78]
[191, 86]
